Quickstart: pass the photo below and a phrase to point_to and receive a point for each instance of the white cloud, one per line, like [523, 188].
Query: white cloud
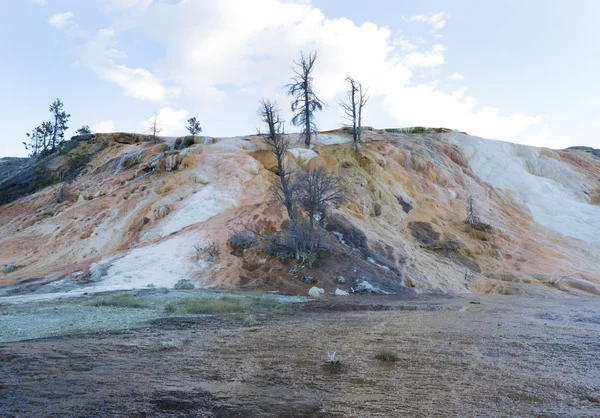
[595, 123]
[436, 20]
[217, 48]
[104, 127]
[171, 122]
[431, 58]
[545, 138]
[457, 76]
[62, 21]
[98, 52]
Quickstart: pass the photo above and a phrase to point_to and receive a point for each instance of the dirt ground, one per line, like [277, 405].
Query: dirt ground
[457, 356]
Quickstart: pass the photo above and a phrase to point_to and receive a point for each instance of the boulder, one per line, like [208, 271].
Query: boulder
[366, 287]
[339, 292]
[340, 280]
[184, 284]
[11, 268]
[163, 211]
[316, 292]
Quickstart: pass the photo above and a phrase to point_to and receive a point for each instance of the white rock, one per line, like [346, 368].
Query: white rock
[316, 292]
[340, 292]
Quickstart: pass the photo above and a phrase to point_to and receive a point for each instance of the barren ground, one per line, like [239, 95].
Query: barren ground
[474, 355]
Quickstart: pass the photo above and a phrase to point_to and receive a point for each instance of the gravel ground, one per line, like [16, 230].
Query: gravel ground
[473, 355]
[81, 315]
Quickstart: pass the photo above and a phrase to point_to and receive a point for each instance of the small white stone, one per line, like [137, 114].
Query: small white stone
[316, 292]
[340, 292]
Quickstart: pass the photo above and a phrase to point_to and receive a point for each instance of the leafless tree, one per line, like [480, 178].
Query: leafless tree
[154, 127]
[270, 114]
[305, 102]
[357, 99]
[316, 190]
[471, 211]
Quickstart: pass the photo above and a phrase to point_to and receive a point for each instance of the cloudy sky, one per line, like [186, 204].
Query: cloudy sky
[520, 71]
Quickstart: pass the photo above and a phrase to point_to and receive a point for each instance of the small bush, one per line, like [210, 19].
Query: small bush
[241, 239]
[299, 241]
[387, 355]
[334, 358]
[170, 308]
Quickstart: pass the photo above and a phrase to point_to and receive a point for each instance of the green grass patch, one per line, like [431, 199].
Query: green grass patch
[121, 301]
[226, 305]
[387, 355]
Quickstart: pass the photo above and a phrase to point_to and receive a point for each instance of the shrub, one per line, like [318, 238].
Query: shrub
[170, 308]
[334, 358]
[387, 355]
[241, 239]
[299, 241]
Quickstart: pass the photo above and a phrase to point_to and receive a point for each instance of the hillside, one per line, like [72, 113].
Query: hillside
[122, 212]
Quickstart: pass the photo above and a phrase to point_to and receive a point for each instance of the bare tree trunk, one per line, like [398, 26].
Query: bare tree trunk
[307, 114]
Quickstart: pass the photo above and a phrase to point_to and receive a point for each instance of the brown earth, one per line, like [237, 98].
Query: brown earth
[479, 355]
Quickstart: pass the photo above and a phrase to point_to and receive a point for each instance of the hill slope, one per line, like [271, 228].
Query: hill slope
[137, 214]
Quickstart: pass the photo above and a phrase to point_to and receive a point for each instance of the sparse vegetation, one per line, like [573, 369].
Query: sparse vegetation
[387, 355]
[333, 358]
[241, 239]
[170, 308]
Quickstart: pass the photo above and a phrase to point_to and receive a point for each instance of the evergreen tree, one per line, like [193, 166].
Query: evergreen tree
[193, 127]
[84, 130]
[59, 124]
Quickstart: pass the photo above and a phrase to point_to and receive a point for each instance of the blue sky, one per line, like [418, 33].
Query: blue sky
[517, 71]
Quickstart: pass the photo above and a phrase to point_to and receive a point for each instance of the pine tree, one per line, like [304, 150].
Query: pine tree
[193, 127]
[305, 102]
[84, 130]
[59, 124]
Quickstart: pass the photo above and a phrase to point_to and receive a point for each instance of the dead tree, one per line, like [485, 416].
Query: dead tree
[305, 102]
[270, 115]
[471, 211]
[357, 99]
[154, 127]
[315, 190]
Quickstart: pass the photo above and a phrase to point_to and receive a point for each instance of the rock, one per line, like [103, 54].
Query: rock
[377, 209]
[163, 211]
[340, 280]
[316, 292]
[366, 287]
[184, 142]
[339, 292]
[406, 205]
[308, 279]
[171, 163]
[184, 284]
[12, 267]
[345, 164]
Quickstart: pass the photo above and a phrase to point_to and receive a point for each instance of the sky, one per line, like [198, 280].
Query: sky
[519, 71]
